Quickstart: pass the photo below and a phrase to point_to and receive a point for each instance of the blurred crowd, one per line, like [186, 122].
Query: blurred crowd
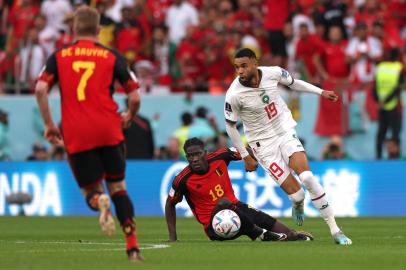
[180, 45]
[187, 46]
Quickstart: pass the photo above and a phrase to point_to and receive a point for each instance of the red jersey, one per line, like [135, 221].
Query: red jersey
[306, 48]
[335, 59]
[202, 192]
[86, 72]
[276, 14]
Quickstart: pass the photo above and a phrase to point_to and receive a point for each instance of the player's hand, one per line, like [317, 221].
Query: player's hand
[250, 164]
[330, 95]
[126, 119]
[53, 135]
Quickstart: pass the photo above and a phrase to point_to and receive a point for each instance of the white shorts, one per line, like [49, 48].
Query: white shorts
[273, 154]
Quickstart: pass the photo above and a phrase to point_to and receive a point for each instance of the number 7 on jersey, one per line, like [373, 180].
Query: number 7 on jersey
[89, 67]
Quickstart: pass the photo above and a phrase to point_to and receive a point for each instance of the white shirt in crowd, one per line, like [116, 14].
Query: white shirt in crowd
[178, 18]
[114, 12]
[262, 110]
[55, 11]
[32, 59]
[47, 38]
[363, 70]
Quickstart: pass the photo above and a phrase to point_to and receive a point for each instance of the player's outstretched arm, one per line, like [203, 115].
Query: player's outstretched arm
[250, 163]
[170, 215]
[51, 132]
[303, 86]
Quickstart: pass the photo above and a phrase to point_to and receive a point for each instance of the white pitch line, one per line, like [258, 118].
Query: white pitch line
[62, 242]
[143, 246]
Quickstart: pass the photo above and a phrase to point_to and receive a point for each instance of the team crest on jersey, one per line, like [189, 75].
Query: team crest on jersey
[264, 97]
[219, 172]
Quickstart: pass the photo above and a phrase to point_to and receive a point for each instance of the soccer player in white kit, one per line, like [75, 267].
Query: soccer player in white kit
[269, 127]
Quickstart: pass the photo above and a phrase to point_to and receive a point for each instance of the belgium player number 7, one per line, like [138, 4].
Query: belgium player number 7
[88, 66]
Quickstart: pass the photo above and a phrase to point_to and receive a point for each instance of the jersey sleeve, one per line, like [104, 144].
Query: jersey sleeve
[226, 154]
[176, 192]
[284, 77]
[231, 108]
[234, 154]
[49, 73]
[124, 75]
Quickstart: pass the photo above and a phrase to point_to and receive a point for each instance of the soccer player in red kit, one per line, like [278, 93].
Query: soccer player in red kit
[206, 185]
[91, 126]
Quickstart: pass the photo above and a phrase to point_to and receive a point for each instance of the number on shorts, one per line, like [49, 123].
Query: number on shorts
[271, 110]
[276, 171]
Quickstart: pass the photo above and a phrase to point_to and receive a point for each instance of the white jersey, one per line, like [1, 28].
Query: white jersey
[262, 110]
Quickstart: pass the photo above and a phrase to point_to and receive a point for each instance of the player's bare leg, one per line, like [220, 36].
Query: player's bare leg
[279, 227]
[298, 162]
[106, 219]
[125, 214]
[98, 200]
[296, 195]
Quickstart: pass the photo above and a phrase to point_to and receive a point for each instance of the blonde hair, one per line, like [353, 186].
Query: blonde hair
[86, 21]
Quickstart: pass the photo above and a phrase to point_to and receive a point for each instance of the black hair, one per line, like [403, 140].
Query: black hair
[333, 148]
[394, 54]
[163, 27]
[187, 118]
[193, 141]
[201, 112]
[303, 24]
[245, 52]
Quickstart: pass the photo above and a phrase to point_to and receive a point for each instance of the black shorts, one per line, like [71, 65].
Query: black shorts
[277, 43]
[92, 166]
[250, 216]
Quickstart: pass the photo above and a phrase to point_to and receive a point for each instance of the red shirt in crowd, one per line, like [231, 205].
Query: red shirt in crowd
[276, 14]
[86, 72]
[306, 48]
[22, 18]
[129, 37]
[334, 59]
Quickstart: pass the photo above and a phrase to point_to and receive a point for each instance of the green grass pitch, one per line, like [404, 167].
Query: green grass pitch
[76, 243]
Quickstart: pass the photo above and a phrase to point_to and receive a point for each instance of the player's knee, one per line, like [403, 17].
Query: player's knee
[92, 199]
[115, 187]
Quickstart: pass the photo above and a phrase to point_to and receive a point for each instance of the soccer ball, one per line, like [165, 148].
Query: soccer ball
[226, 223]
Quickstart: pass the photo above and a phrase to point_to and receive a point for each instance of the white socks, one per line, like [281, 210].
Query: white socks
[319, 199]
[297, 198]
